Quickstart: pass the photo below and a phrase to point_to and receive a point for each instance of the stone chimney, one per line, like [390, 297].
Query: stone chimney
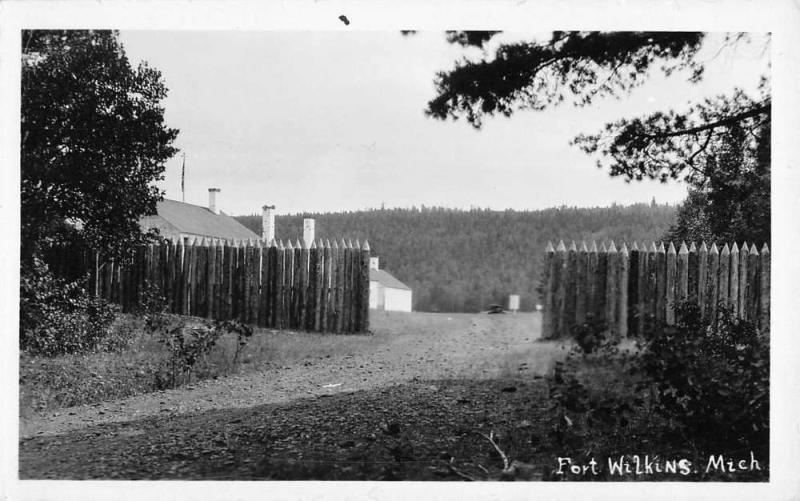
[268, 223]
[212, 200]
[373, 263]
[308, 231]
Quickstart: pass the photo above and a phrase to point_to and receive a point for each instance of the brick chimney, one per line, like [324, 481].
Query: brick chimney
[268, 223]
[212, 200]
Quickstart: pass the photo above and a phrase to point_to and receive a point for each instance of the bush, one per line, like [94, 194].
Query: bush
[712, 380]
[59, 317]
[694, 386]
[188, 347]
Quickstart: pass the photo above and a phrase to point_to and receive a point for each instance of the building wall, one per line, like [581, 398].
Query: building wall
[397, 300]
[389, 299]
[376, 295]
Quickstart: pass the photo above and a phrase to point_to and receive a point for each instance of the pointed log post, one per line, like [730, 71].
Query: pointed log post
[581, 284]
[228, 267]
[273, 288]
[602, 280]
[140, 279]
[215, 257]
[591, 282]
[355, 295]
[570, 286]
[280, 286]
[253, 271]
[325, 288]
[692, 275]
[218, 297]
[733, 287]
[702, 273]
[191, 278]
[660, 292]
[743, 256]
[211, 253]
[239, 280]
[200, 277]
[723, 289]
[612, 290]
[347, 311]
[549, 296]
[641, 285]
[712, 285]
[171, 278]
[560, 260]
[341, 275]
[365, 257]
[333, 295]
[212, 277]
[290, 279]
[263, 289]
[622, 285]
[764, 290]
[312, 305]
[633, 290]
[752, 288]
[163, 258]
[682, 290]
[672, 275]
[233, 280]
[179, 294]
[303, 263]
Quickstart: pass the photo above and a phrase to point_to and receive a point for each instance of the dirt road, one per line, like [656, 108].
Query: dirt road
[194, 432]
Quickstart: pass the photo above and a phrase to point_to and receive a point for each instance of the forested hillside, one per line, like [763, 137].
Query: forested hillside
[458, 260]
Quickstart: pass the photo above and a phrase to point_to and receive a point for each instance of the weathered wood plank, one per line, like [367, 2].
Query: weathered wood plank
[743, 256]
[752, 289]
[560, 260]
[612, 289]
[723, 289]
[764, 290]
[364, 303]
[340, 286]
[326, 300]
[682, 285]
[712, 285]
[622, 284]
[549, 296]
[671, 279]
[733, 288]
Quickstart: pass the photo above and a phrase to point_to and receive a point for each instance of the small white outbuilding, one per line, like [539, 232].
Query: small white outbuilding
[385, 291]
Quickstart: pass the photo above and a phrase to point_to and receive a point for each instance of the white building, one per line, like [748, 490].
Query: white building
[385, 291]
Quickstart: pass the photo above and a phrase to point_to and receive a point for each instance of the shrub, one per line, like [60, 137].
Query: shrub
[701, 387]
[59, 317]
[589, 335]
[713, 380]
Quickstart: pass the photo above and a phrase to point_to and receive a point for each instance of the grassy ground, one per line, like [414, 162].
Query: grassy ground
[413, 401]
[48, 384]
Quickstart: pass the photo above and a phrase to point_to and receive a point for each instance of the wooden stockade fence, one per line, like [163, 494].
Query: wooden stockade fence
[626, 287]
[323, 288]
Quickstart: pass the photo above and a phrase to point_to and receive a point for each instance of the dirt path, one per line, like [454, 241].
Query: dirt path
[406, 349]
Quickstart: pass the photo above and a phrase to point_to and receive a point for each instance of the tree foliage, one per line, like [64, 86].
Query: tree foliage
[94, 139]
[720, 146]
[457, 260]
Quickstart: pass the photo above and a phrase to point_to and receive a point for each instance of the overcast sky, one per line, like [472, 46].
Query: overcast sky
[333, 121]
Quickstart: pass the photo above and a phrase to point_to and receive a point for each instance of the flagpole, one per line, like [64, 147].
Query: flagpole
[183, 178]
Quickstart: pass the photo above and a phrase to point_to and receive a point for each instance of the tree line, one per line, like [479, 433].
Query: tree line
[464, 260]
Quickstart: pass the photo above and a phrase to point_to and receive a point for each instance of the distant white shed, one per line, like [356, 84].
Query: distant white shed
[385, 291]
